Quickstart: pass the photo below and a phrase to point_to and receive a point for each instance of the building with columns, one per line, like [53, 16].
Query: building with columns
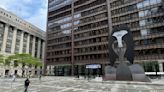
[78, 30]
[19, 36]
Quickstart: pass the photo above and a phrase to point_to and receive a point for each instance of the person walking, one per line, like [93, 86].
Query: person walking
[40, 76]
[26, 84]
[14, 78]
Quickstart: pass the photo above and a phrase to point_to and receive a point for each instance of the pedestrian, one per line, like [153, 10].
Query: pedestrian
[40, 76]
[26, 84]
[14, 77]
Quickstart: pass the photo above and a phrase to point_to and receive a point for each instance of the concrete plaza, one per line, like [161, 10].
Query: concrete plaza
[69, 84]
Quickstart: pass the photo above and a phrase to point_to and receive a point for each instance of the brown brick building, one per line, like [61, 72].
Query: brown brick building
[78, 31]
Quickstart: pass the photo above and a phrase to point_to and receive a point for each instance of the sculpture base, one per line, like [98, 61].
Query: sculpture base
[126, 73]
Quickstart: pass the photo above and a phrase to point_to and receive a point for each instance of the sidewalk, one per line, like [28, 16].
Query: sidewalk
[154, 82]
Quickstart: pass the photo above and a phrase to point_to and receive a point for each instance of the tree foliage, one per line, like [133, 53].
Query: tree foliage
[25, 59]
[2, 59]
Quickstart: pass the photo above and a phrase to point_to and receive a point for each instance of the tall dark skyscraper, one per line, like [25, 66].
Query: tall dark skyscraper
[78, 30]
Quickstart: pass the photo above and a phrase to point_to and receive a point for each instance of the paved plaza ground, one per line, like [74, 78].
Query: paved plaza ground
[69, 84]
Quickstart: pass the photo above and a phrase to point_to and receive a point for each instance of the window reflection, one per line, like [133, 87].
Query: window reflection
[148, 12]
[148, 3]
[141, 14]
[144, 32]
[140, 5]
[142, 22]
[66, 25]
[66, 31]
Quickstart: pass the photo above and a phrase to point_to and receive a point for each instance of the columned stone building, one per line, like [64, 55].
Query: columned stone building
[19, 36]
[78, 30]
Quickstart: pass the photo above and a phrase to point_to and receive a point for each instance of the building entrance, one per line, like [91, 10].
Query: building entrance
[94, 70]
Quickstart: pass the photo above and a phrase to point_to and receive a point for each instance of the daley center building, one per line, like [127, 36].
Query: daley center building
[78, 30]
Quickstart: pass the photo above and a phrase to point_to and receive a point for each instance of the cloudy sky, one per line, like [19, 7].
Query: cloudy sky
[33, 11]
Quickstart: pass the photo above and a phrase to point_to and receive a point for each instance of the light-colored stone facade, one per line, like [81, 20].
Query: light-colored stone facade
[19, 36]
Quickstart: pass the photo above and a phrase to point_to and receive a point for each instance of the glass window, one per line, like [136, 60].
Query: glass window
[77, 15]
[140, 5]
[66, 31]
[66, 25]
[154, 10]
[147, 12]
[142, 22]
[141, 14]
[152, 2]
[159, 1]
[76, 22]
[144, 32]
[64, 20]
[146, 3]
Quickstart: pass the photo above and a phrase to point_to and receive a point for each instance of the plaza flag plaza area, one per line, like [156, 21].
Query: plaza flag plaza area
[72, 84]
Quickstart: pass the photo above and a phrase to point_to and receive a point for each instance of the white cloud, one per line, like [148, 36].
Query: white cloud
[4, 3]
[27, 10]
[39, 19]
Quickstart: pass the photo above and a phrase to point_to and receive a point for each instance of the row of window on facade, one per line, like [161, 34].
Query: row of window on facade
[85, 27]
[18, 39]
[87, 6]
[136, 6]
[91, 49]
[78, 15]
[150, 41]
[104, 47]
[55, 47]
[54, 5]
[145, 22]
[66, 19]
[103, 56]
[67, 25]
[79, 50]
[93, 25]
[138, 54]
[92, 57]
[141, 15]
[141, 4]
[60, 39]
[93, 18]
[92, 33]
[87, 34]
[63, 59]
[157, 52]
[59, 10]
[97, 2]
[91, 41]
[95, 10]
[55, 53]
[82, 57]
[149, 31]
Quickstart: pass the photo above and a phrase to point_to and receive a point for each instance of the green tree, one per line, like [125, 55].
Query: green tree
[2, 59]
[25, 59]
